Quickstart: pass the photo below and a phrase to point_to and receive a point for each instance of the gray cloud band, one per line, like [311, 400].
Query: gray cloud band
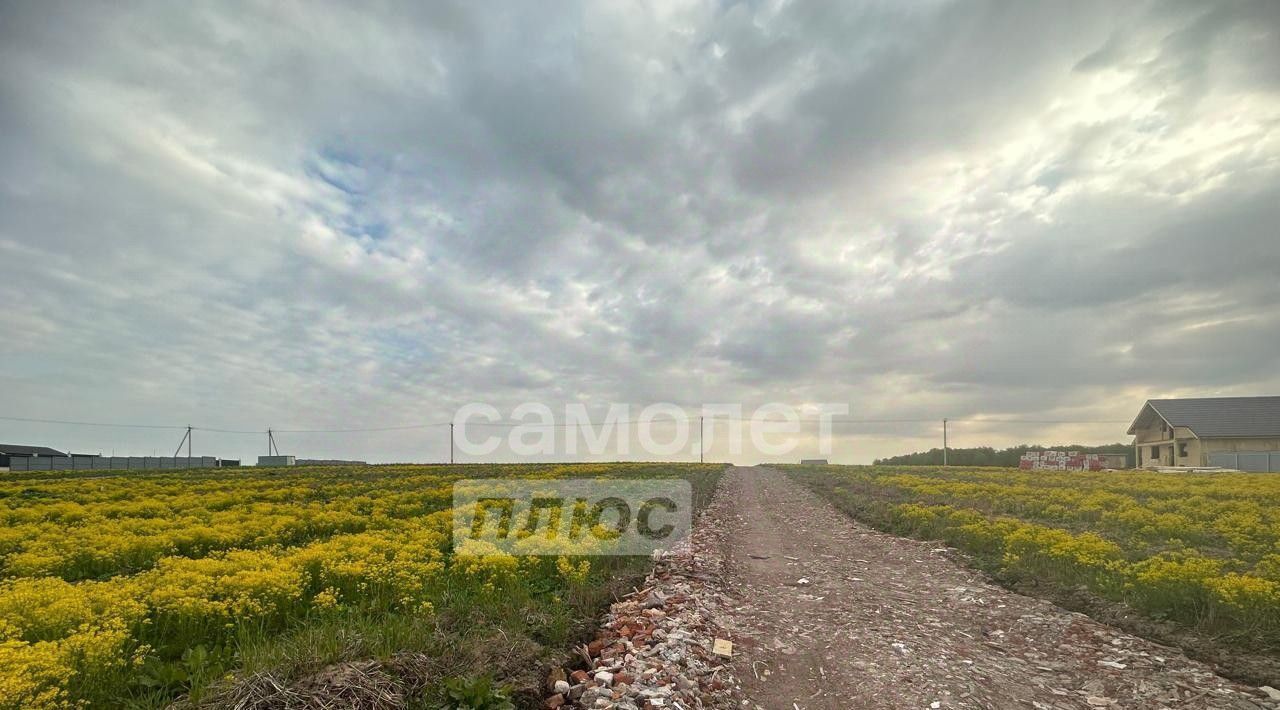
[1044, 208]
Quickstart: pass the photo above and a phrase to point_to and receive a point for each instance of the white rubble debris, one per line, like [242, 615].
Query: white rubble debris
[655, 647]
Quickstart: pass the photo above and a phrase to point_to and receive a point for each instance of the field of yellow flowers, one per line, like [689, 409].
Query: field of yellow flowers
[1202, 549]
[133, 589]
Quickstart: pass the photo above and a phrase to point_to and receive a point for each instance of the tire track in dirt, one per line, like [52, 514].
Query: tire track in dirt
[829, 613]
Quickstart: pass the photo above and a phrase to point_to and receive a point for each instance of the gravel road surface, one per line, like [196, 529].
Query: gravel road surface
[827, 613]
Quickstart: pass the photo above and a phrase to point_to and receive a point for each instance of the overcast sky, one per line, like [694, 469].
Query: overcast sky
[302, 215]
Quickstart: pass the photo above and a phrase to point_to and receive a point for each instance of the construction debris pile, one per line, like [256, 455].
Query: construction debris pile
[1060, 461]
[657, 648]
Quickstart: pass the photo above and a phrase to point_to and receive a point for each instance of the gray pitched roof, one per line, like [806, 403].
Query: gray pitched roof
[20, 450]
[1219, 416]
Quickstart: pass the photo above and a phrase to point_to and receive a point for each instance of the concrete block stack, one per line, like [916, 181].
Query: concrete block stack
[1060, 461]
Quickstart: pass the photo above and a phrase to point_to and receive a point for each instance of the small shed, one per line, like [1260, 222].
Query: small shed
[277, 461]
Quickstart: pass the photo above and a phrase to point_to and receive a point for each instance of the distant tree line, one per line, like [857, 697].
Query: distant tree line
[988, 456]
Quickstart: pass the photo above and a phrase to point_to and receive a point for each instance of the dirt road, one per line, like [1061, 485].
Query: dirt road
[827, 613]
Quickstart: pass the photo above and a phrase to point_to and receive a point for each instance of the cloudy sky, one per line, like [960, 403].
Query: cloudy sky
[304, 216]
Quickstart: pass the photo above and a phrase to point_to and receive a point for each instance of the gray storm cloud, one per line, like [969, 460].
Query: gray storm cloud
[251, 215]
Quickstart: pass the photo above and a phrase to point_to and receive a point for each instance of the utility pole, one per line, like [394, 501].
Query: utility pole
[186, 439]
[450, 442]
[701, 436]
[944, 441]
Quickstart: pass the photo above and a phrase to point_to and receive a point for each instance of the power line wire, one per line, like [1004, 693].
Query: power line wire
[563, 424]
[1041, 421]
[345, 431]
[101, 424]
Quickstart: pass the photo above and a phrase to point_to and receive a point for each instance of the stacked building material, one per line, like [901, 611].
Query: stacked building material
[1060, 461]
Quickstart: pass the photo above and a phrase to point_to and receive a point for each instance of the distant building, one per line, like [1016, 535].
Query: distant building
[1232, 432]
[11, 450]
[277, 461]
